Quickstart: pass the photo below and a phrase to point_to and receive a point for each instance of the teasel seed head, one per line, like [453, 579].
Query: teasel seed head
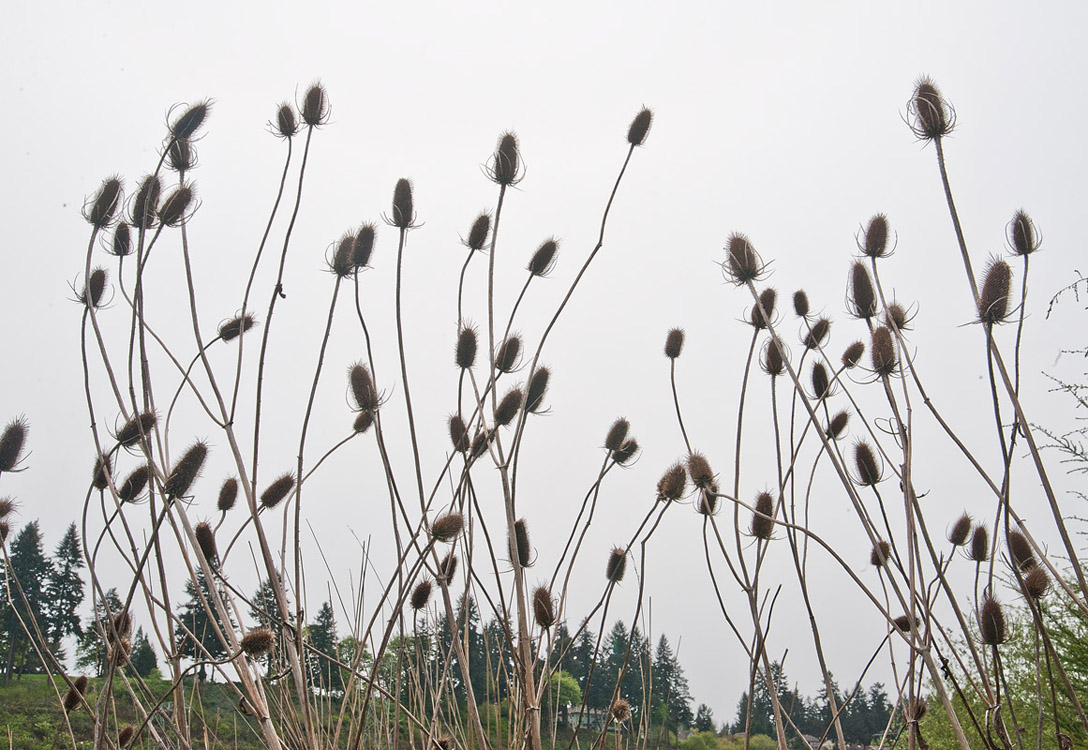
[404, 216]
[763, 312]
[708, 500]
[837, 425]
[508, 357]
[275, 493]
[903, 623]
[867, 465]
[899, 316]
[509, 406]
[773, 361]
[626, 452]
[620, 710]
[852, 355]
[543, 607]
[286, 121]
[447, 568]
[459, 434]
[93, 288]
[991, 622]
[465, 355]
[186, 470]
[863, 295]
[141, 424]
[543, 260]
[980, 544]
[5, 529]
[188, 122]
[640, 127]
[343, 257]
[617, 565]
[135, 483]
[145, 204]
[617, 433]
[816, 335]
[881, 554]
[699, 470]
[673, 483]
[421, 594]
[820, 384]
[520, 544]
[181, 156]
[7, 507]
[1020, 552]
[916, 709]
[12, 440]
[930, 116]
[883, 352]
[258, 642]
[876, 237]
[1022, 234]
[363, 392]
[122, 625]
[236, 326]
[103, 471]
[363, 246]
[505, 167]
[674, 343]
[363, 421]
[800, 303]
[538, 387]
[228, 494]
[205, 539]
[743, 264]
[106, 201]
[763, 527]
[993, 298]
[478, 232]
[75, 694]
[1036, 583]
[960, 530]
[447, 527]
[125, 735]
[479, 443]
[122, 240]
[315, 105]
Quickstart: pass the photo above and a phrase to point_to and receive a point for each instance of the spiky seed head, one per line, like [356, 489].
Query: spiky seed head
[458, 434]
[134, 484]
[465, 355]
[930, 115]
[479, 443]
[505, 167]
[363, 421]
[258, 642]
[1020, 552]
[640, 127]
[800, 303]
[993, 299]
[12, 440]
[896, 315]
[743, 264]
[520, 544]
[286, 121]
[478, 232]
[763, 518]
[7, 507]
[708, 500]
[404, 216]
[508, 356]
[447, 568]
[1036, 582]
[883, 352]
[617, 564]
[122, 625]
[673, 483]
[837, 425]
[617, 433]
[442, 742]
[865, 461]
[315, 105]
[881, 554]
[916, 709]
[94, 287]
[421, 594]
[141, 424]
[103, 471]
[5, 529]
[876, 237]
[343, 257]
[145, 204]
[538, 386]
[772, 362]
[820, 383]
[275, 493]
[862, 292]
[699, 470]
[447, 527]
[509, 406]
[960, 530]
[763, 312]
[74, 696]
[236, 326]
[122, 240]
[626, 452]
[363, 392]
[205, 540]
[991, 622]
[543, 260]
[363, 246]
[186, 470]
[181, 156]
[620, 710]
[228, 493]
[903, 623]
[674, 343]
[543, 607]
[1022, 235]
[817, 334]
[188, 122]
[852, 355]
[105, 204]
[125, 735]
[980, 544]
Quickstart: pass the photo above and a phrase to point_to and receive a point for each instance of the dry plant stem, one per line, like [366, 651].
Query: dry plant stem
[404, 369]
[676, 403]
[736, 459]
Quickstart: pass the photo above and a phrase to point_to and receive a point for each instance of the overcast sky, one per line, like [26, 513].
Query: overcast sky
[784, 121]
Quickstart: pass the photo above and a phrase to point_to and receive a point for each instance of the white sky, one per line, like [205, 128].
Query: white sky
[784, 122]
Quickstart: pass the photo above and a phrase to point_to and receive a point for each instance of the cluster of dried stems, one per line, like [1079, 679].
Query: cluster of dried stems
[944, 647]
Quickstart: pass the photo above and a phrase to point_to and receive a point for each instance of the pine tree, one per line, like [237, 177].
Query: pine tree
[671, 696]
[704, 719]
[266, 613]
[143, 656]
[91, 650]
[196, 634]
[30, 568]
[64, 590]
[324, 674]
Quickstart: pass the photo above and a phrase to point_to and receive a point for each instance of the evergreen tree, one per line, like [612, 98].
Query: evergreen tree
[580, 659]
[64, 590]
[143, 656]
[324, 674]
[91, 649]
[500, 662]
[265, 612]
[671, 696]
[30, 568]
[704, 719]
[196, 635]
